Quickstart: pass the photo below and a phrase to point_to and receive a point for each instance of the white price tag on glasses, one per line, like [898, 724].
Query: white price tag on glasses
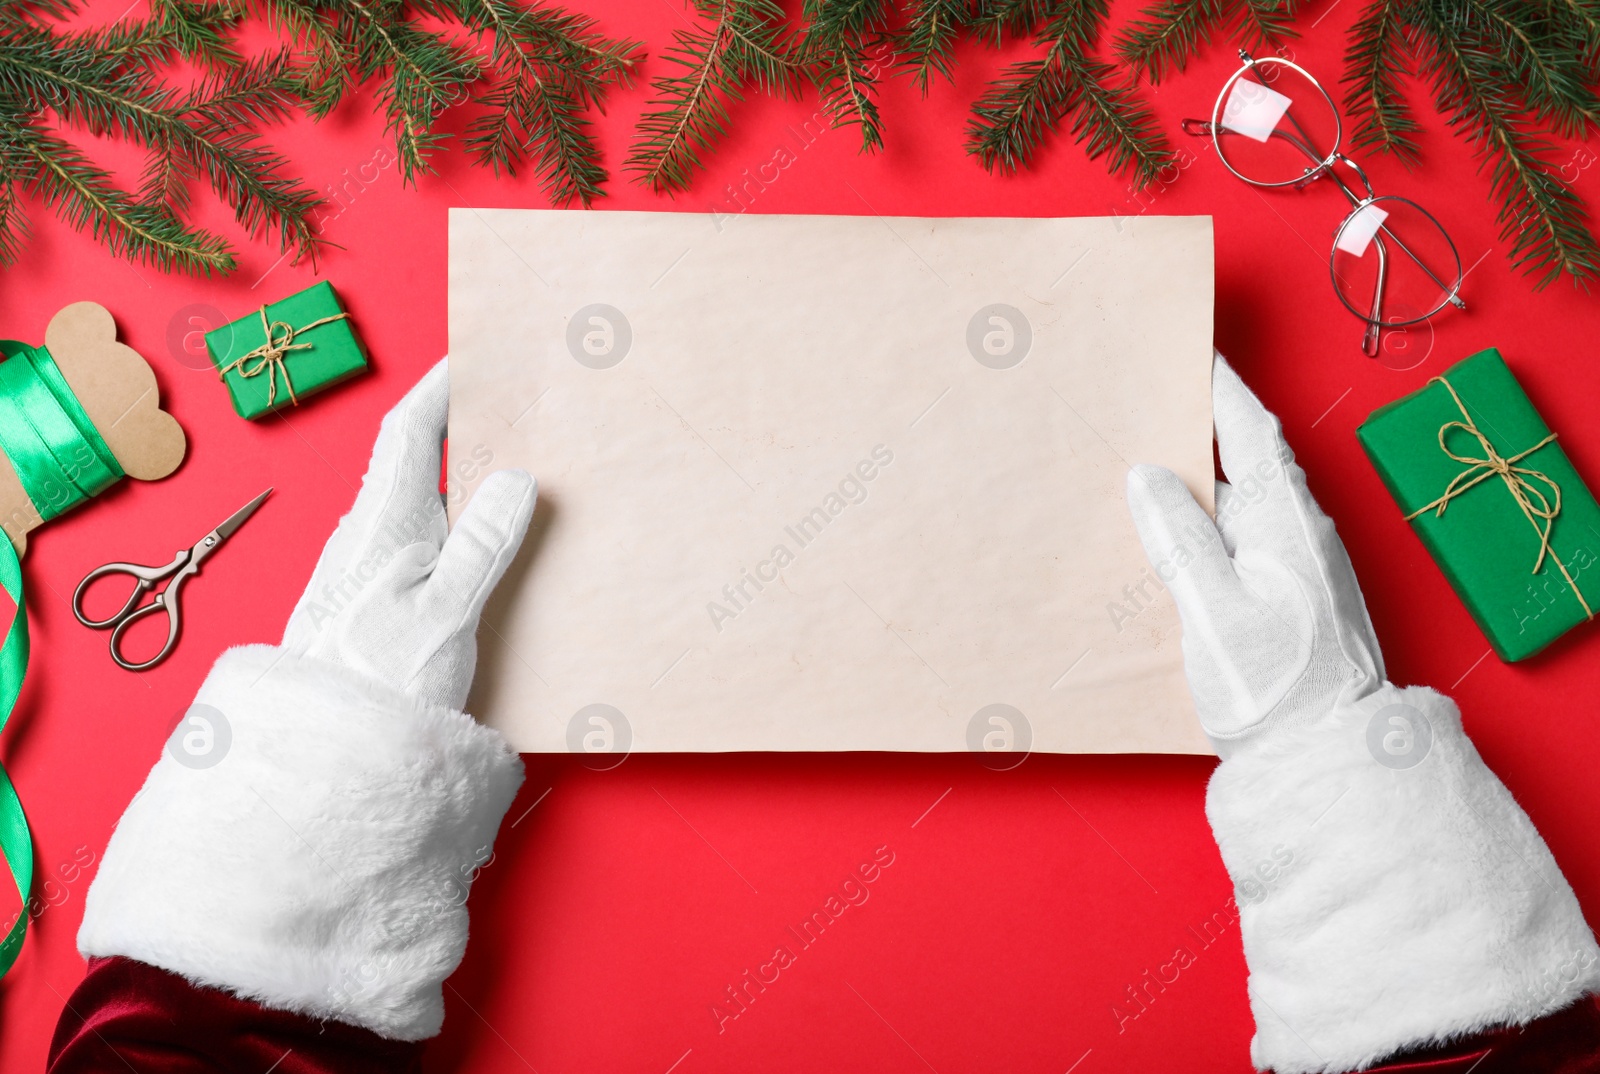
[1253, 110]
[1356, 235]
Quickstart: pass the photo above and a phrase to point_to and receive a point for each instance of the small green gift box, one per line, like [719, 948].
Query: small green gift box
[1496, 501]
[285, 351]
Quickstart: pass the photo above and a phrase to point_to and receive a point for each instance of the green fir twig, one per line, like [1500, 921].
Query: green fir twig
[926, 43]
[553, 68]
[417, 74]
[1030, 98]
[99, 81]
[837, 51]
[1374, 64]
[1542, 219]
[746, 45]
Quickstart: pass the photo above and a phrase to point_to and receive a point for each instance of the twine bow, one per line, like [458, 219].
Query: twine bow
[1536, 492]
[269, 356]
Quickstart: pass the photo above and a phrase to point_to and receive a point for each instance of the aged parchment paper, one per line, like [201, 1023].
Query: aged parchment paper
[829, 482]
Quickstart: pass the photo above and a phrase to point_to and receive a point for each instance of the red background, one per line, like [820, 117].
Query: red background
[621, 904]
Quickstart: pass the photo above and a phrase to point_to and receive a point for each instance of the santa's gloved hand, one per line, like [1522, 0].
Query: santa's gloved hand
[308, 837]
[1390, 892]
[1275, 632]
[393, 595]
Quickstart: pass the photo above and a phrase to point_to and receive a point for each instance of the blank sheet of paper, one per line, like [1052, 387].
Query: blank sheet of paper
[829, 482]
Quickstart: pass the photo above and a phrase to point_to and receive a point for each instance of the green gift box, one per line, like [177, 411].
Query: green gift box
[1495, 500]
[286, 351]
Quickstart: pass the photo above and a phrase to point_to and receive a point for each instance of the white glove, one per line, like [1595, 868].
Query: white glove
[315, 853]
[392, 596]
[1275, 631]
[1390, 892]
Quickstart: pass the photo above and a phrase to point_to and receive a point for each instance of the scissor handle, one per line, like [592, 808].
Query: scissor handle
[146, 577]
[165, 601]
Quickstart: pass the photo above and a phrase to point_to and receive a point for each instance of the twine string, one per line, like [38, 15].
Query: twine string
[269, 357]
[1536, 493]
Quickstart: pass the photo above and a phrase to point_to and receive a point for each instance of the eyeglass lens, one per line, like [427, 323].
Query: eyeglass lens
[1275, 125]
[1394, 241]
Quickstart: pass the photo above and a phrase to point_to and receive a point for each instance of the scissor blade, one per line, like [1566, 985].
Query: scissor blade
[237, 519]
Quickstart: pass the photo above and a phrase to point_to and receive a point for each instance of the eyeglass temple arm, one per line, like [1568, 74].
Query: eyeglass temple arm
[1202, 128]
[1369, 342]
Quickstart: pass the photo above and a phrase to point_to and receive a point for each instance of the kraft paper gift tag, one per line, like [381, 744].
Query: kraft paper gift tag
[829, 482]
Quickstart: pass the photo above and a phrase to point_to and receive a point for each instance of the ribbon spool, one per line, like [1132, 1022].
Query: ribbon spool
[62, 461]
[76, 415]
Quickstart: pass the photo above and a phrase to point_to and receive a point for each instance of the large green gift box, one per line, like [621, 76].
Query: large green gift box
[286, 351]
[1496, 501]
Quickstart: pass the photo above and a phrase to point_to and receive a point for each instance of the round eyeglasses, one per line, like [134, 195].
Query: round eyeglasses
[1392, 264]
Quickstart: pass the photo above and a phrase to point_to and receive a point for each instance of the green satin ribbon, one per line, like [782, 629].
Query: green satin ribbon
[61, 460]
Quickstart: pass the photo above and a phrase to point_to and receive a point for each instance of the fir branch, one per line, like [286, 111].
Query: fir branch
[1031, 97]
[1172, 31]
[14, 224]
[196, 30]
[426, 75]
[165, 181]
[216, 134]
[324, 81]
[836, 50]
[996, 18]
[1540, 217]
[1168, 35]
[1539, 57]
[144, 41]
[329, 71]
[29, 13]
[207, 137]
[418, 74]
[552, 65]
[1374, 64]
[84, 196]
[1112, 121]
[1265, 23]
[570, 43]
[1580, 19]
[745, 46]
[927, 40]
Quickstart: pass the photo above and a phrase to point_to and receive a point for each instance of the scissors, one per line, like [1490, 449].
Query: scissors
[185, 564]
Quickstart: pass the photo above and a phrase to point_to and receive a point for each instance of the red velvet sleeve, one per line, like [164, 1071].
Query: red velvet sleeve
[127, 1015]
[1567, 1042]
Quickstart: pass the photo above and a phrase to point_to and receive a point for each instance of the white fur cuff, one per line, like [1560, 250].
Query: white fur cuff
[314, 856]
[1391, 892]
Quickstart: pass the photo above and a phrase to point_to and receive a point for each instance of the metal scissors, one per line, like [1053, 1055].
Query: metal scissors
[184, 565]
